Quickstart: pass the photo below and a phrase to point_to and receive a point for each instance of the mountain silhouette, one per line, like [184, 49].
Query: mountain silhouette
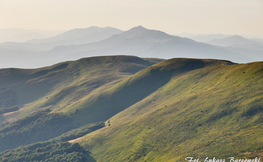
[232, 40]
[143, 42]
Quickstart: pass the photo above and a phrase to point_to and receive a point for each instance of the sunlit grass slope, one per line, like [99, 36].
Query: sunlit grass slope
[103, 105]
[197, 108]
[60, 86]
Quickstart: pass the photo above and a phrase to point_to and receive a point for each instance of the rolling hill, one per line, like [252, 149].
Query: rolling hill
[130, 91]
[201, 108]
[64, 84]
[34, 103]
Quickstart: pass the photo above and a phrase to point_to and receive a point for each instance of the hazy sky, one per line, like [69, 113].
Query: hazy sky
[244, 17]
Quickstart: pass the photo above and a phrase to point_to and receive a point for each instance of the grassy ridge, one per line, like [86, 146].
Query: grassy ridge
[62, 86]
[214, 111]
[65, 86]
[102, 106]
[29, 84]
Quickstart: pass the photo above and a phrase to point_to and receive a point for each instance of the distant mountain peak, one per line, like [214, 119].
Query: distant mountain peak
[232, 41]
[79, 36]
[236, 37]
[138, 28]
[142, 32]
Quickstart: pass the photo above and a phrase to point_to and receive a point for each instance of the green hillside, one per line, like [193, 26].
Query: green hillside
[34, 102]
[43, 126]
[180, 108]
[62, 85]
[168, 111]
[101, 106]
[37, 127]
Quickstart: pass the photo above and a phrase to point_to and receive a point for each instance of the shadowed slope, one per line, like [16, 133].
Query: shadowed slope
[128, 92]
[59, 86]
[56, 90]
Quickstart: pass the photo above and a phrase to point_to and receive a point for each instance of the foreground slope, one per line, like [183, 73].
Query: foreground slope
[211, 109]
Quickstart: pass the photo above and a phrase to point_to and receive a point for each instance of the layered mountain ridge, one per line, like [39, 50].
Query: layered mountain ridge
[94, 41]
[142, 42]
